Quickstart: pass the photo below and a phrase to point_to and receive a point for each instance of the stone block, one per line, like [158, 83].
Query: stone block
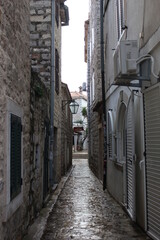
[40, 4]
[40, 18]
[34, 36]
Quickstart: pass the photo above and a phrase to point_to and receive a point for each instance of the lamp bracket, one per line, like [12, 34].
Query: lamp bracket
[65, 102]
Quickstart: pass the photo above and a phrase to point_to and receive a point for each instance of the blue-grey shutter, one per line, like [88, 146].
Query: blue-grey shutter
[110, 141]
[130, 158]
[15, 156]
[152, 143]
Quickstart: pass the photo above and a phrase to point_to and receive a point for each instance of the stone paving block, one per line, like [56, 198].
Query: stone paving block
[84, 211]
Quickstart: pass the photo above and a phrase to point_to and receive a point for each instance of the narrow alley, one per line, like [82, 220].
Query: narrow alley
[84, 211]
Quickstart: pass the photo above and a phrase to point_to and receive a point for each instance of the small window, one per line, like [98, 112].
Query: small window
[15, 156]
[56, 71]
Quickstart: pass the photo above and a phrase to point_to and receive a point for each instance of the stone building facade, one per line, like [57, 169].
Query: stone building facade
[46, 71]
[95, 91]
[133, 108]
[131, 64]
[25, 106]
[66, 131]
[80, 121]
[14, 118]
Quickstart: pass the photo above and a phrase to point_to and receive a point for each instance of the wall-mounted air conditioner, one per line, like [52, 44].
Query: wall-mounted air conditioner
[125, 57]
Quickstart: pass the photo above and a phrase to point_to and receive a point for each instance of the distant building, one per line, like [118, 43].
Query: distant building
[79, 121]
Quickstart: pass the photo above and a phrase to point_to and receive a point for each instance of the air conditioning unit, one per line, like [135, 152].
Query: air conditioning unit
[125, 57]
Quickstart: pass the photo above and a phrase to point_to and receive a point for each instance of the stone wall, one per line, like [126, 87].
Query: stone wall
[95, 118]
[39, 139]
[40, 34]
[66, 134]
[41, 64]
[14, 95]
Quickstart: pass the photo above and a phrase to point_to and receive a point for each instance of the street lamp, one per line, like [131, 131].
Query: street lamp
[72, 104]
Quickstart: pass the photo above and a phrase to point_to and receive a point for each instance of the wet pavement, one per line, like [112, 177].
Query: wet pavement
[83, 211]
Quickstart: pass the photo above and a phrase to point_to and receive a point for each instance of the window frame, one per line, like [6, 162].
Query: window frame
[15, 155]
[92, 88]
[11, 205]
[120, 17]
[111, 146]
[121, 134]
[57, 59]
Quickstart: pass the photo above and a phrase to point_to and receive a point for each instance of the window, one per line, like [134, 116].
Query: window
[110, 137]
[56, 71]
[121, 134]
[13, 196]
[120, 17]
[92, 88]
[15, 156]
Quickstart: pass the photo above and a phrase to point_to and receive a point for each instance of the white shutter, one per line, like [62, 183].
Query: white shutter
[110, 138]
[152, 133]
[130, 158]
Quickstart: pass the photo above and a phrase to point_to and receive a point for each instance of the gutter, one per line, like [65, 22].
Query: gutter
[51, 157]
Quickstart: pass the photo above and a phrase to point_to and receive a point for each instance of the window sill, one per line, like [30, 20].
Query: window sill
[11, 207]
[119, 165]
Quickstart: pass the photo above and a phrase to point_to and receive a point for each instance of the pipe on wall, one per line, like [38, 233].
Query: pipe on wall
[51, 155]
[103, 98]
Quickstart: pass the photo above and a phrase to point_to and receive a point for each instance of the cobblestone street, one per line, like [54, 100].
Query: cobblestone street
[84, 211]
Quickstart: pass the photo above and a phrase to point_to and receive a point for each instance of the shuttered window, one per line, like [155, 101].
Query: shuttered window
[15, 156]
[110, 141]
[152, 142]
[56, 71]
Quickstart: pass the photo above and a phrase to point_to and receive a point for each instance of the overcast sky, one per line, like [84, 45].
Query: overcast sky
[74, 69]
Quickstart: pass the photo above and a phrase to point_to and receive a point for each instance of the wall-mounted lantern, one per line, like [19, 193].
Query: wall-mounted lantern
[72, 104]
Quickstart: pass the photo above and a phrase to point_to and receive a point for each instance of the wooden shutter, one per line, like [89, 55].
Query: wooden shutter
[152, 141]
[15, 156]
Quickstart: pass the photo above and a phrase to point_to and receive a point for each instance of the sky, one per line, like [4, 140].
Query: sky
[74, 69]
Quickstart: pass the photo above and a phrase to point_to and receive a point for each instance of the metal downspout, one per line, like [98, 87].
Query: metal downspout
[88, 91]
[103, 99]
[51, 157]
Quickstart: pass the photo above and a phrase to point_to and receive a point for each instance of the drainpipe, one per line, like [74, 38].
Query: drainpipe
[51, 159]
[103, 99]
[88, 91]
